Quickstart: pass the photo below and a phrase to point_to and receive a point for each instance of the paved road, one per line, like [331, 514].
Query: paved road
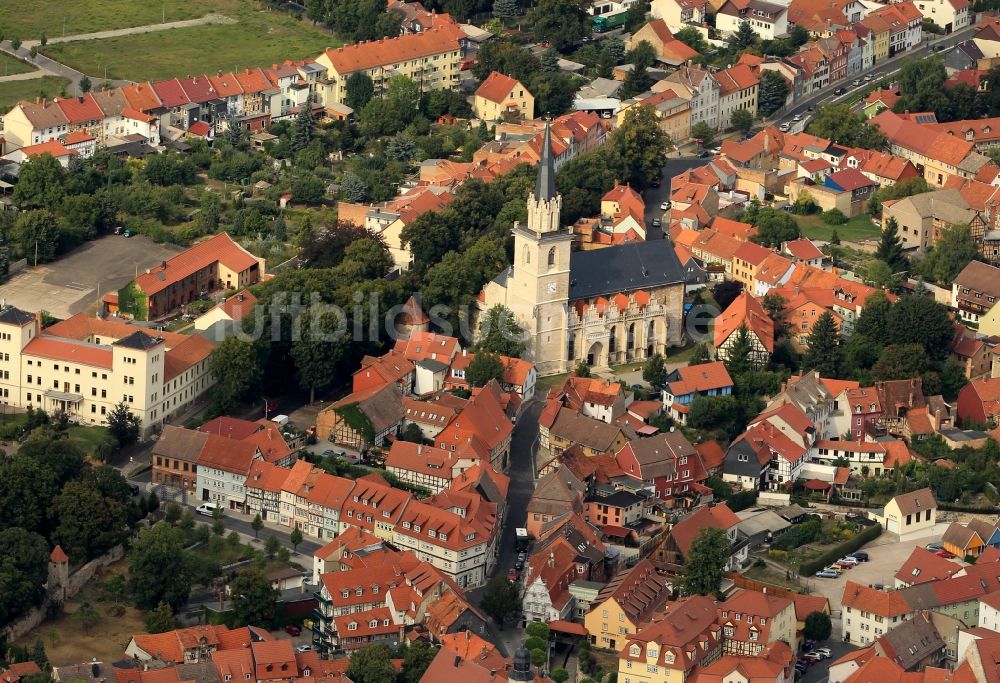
[654, 196]
[522, 485]
[819, 672]
[135, 30]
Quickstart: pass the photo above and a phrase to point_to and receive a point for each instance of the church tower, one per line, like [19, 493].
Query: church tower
[538, 288]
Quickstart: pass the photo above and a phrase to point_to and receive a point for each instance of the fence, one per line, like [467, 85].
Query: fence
[17, 266]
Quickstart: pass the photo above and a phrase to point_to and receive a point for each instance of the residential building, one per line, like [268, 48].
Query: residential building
[668, 465]
[558, 494]
[908, 514]
[223, 467]
[677, 545]
[500, 97]
[751, 619]
[975, 290]
[923, 566]
[745, 316]
[685, 384]
[363, 418]
[668, 49]
[626, 602]
[679, 13]
[768, 20]
[869, 612]
[698, 86]
[979, 401]
[217, 263]
[950, 15]
[738, 87]
[914, 644]
[175, 457]
[963, 541]
[431, 58]
[668, 649]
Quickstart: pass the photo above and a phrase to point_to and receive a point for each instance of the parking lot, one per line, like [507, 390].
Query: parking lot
[75, 282]
[885, 555]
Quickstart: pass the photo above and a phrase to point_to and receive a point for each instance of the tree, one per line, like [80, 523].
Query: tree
[706, 562]
[823, 346]
[920, 320]
[87, 616]
[505, 9]
[271, 546]
[774, 227]
[693, 38]
[879, 274]
[554, 92]
[257, 524]
[834, 237]
[700, 355]
[890, 247]
[703, 133]
[742, 120]
[161, 619]
[738, 355]
[724, 414]
[774, 304]
[401, 148]
[637, 81]
[874, 319]
[371, 664]
[255, 601]
[500, 600]
[27, 488]
[23, 571]
[359, 90]
[581, 369]
[838, 123]
[235, 365]
[921, 84]
[15, 44]
[158, 568]
[89, 524]
[559, 675]
[561, 23]
[499, 333]
[353, 188]
[637, 150]
[123, 424]
[308, 189]
[416, 659]
[654, 371]
[726, 292]
[484, 367]
[742, 38]
[38, 655]
[302, 128]
[85, 84]
[817, 626]
[900, 361]
[35, 235]
[952, 253]
[295, 537]
[773, 93]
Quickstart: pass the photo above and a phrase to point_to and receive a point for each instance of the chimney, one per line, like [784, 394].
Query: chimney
[163, 264]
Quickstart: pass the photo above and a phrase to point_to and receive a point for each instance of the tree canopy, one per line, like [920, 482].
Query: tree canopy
[706, 562]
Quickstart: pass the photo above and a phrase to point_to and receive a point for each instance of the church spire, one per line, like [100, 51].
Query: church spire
[545, 183]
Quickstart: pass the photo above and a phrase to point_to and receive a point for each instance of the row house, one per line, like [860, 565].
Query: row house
[873, 458]
[546, 582]
[768, 20]
[750, 620]
[667, 465]
[700, 88]
[629, 600]
[676, 547]
[738, 89]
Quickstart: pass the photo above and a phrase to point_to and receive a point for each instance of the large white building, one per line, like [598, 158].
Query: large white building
[85, 366]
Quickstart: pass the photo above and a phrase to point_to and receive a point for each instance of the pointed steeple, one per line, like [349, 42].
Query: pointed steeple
[545, 183]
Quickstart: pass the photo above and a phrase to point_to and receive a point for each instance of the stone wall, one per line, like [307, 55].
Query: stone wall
[77, 580]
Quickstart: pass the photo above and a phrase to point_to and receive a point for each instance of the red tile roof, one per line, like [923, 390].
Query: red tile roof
[366, 55]
[715, 517]
[745, 311]
[171, 93]
[497, 87]
[140, 96]
[218, 249]
[81, 109]
[879, 602]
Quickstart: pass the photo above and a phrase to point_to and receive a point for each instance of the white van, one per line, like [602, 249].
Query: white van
[208, 509]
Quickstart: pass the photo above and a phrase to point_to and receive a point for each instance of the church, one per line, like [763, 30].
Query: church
[605, 307]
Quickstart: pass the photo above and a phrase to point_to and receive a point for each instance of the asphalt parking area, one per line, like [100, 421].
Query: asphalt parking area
[75, 282]
[886, 555]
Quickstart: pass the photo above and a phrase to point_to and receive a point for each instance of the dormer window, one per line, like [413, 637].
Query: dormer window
[373, 623]
[375, 588]
[346, 593]
[416, 527]
[634, 651]
[359, 591]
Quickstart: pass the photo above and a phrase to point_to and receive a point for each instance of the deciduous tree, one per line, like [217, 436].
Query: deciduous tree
[654, 371]
[561, 23]
[706, 562]
[160, 620]
[500, 600]
[371, 664]
[158, 568]
[123, 424]
[817, 626]
[484, 367]
[920, 320]
[742, 120]
[359, 90]
[88, 523]
[255, 601]
[500, 333]
[23, 571]
[952, 253]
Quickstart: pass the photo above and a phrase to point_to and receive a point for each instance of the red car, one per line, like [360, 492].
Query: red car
[513, 574]
[945, 554]
[293, 630]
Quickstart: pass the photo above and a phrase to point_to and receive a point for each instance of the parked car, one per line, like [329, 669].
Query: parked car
[304, 648]
[293, 630]
[933, 547]
[328, 453]
[825, 652]
[797, 117]
[869, 77]
[785, 127]
[848, 559]
[208, 509]
[813, 657]
[716, 151]
[945, 554]
[656, 222]
[859, 555]
[856, 82]
[703, 154]
[834, 568]
[664, 206]
[513, 574]
[839, 91]
[133, 489]
[826, 574]
[801, 667]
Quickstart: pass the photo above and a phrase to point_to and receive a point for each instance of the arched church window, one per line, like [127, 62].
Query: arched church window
[571, 351]
[552, 257]
[527, 254]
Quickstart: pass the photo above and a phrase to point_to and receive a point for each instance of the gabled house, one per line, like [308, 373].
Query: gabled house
[751, 619]
[558, 494]
[745, 316]
[667, 464]
[500, 96]
[685, 384]
[963, 541]
[677, 545]
[629, 600]
[908, 513]
[923, 566]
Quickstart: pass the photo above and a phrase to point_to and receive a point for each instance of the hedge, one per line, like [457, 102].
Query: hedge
[810, 567]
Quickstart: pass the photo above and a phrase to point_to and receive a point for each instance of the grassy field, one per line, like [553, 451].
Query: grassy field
[88, 438]
[67, 643]
[11, 65]
[257, 39]
[856, 229]
[11, 92]
[27, 19]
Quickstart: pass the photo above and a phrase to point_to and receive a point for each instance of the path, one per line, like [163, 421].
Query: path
[135, 30]
[50, 67]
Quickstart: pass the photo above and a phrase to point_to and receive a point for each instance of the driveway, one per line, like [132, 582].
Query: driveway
[76, 281]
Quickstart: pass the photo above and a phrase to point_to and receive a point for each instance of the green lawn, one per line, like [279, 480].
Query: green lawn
[11, 92]
[257, 39]
[856, 229]
[87, 438]
[27, 19]
[11, 65]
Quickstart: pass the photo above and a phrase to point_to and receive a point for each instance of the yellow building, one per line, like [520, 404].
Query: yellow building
[666, 651]
[501, 96]
[627, 601]
[673, 112]
[909, 514]
[745, 262]
[431, 58]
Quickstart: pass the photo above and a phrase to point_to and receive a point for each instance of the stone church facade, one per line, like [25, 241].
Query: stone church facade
[605, 306]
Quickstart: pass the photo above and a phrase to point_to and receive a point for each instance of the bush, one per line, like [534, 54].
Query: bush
[810, 567]
[833, 217]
